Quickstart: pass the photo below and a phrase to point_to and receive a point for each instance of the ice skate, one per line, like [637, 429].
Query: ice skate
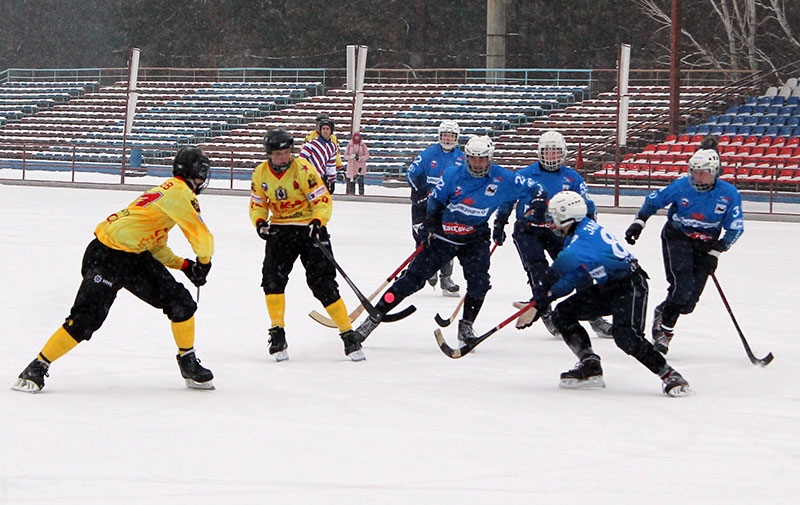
[352, 345]
[366, 327]
[277, 344]
[587, 374]
[195, 374]
[466, 335]
[674, 384]
[432, 281]
[31, 380]
[449, 288]
[661, 339]
[601, 327]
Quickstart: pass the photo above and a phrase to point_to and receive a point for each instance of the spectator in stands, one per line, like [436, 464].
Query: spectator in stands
[532, 234]
[357, 155]
[700, 207]
[315, 133]
[710, 142]
[323, 153]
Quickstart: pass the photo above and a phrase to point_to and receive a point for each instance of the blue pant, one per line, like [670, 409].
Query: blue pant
[532, 242]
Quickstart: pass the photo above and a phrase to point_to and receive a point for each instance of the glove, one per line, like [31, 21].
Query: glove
[331, 183]
[262, 228]
[633, 231]
[315, 230]
[426, 232]
[499, 232]
[537, 207]
[708, 262]
[196, 271]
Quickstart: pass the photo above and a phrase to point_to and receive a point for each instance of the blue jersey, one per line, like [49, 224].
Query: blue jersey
[590, 255]
[466, 203]
[426, 170]
[699, 214]
[565, 179]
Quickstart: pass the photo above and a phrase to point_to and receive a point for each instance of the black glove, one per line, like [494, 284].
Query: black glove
[499, 232]
[315, 230]
[262, 228]
[196, 271]
[541, 295]
[708, 262]
[537, 207]
[331, 184]
[426, 232]
[633, 231]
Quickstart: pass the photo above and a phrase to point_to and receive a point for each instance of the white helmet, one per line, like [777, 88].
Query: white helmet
[479, 146]
[706, 160]
[566, 207]
[552, 150]
[448, 126]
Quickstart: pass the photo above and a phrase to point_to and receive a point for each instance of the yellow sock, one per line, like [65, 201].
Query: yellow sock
[276, 306]
[338, 313]
[183, 333]
[59, 344]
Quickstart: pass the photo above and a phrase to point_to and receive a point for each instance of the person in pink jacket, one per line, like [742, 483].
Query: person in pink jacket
[357, 155]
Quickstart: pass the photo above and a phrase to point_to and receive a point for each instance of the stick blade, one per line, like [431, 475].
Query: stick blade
[446, 349]
[390, 318]
[442, 322]
[324, 321]
[766, 360]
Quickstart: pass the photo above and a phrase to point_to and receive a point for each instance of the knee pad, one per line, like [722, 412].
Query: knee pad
[181, 308]
[325, 291]
[628, 341]
[81, 326]
[273, 286]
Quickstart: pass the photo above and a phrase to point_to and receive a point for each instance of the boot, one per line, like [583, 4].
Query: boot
[366, 327]
[195, 374]
[674, 383]
[277, 343]
[601, 327]
[31, 380]
[352, 345]
[466, 335]
[449, 288]
[587, 374]
[432, 281]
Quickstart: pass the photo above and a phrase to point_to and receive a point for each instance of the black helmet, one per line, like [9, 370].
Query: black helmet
[190, 164]
[319, 118]
[277, 139]
[326, 121]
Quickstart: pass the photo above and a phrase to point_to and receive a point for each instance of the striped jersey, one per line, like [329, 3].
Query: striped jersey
[321, 154]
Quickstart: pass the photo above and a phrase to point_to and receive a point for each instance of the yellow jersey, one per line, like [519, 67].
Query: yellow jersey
[144, 224]
[314, 134]
[296, 196]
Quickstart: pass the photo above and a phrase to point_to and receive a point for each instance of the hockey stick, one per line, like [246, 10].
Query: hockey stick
[444, 323]
[325, 321]
[389, 318]
[461, 351]
[766, 360]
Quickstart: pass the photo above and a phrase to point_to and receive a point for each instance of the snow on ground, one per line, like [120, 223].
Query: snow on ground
[115, 424]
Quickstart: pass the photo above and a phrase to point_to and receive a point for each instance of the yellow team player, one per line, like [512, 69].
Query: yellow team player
[130, 252]
[291, 191]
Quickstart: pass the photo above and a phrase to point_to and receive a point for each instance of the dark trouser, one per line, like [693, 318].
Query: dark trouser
[417, 218]
[351, 185]
[685, 274]
[284, 245]
[626, 301]
[105, 271]
[474, 259]
[532, 242]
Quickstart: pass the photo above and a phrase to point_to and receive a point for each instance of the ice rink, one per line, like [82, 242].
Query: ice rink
[115, 424]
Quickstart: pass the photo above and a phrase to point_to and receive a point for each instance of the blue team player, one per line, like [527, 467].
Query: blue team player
[456, 225]
[701, 207]
[607, 280]
[532, 234]
[423, 175]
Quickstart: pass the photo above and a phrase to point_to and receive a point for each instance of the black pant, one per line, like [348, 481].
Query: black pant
[418, 212]
[284, 245]
[351, 185]
[105, 271]
[532, 242]
[626, 301]
[686, 275]
[474, 259]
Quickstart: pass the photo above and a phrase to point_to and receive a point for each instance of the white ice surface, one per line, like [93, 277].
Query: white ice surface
[115, 424]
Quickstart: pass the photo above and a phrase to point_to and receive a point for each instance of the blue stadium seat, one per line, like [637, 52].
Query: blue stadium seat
[703, 129]
[792, 100]
[712, 120]
[743, 130]
[760, 109]
[764, 120]
[786, 131]
[793, 121]
[758, 131]
[773, 131]
[773, 110]
[752, 120]
[738, 120]
[778, 100]
[764, 100]
[753, 100]
[731, 130]
[779, 120]
[691, 130]
[725, 119]
[745, 109]
[717, 130]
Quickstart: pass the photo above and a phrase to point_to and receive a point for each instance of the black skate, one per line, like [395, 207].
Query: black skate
[466, 335]
[449, 288]
[277, 343]
[31, 380]
[674, 384]
[352, 345]
[587, 374]
[432, 281]
[195, 374]
[547, 320]
[601, 327]
[366, 327]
